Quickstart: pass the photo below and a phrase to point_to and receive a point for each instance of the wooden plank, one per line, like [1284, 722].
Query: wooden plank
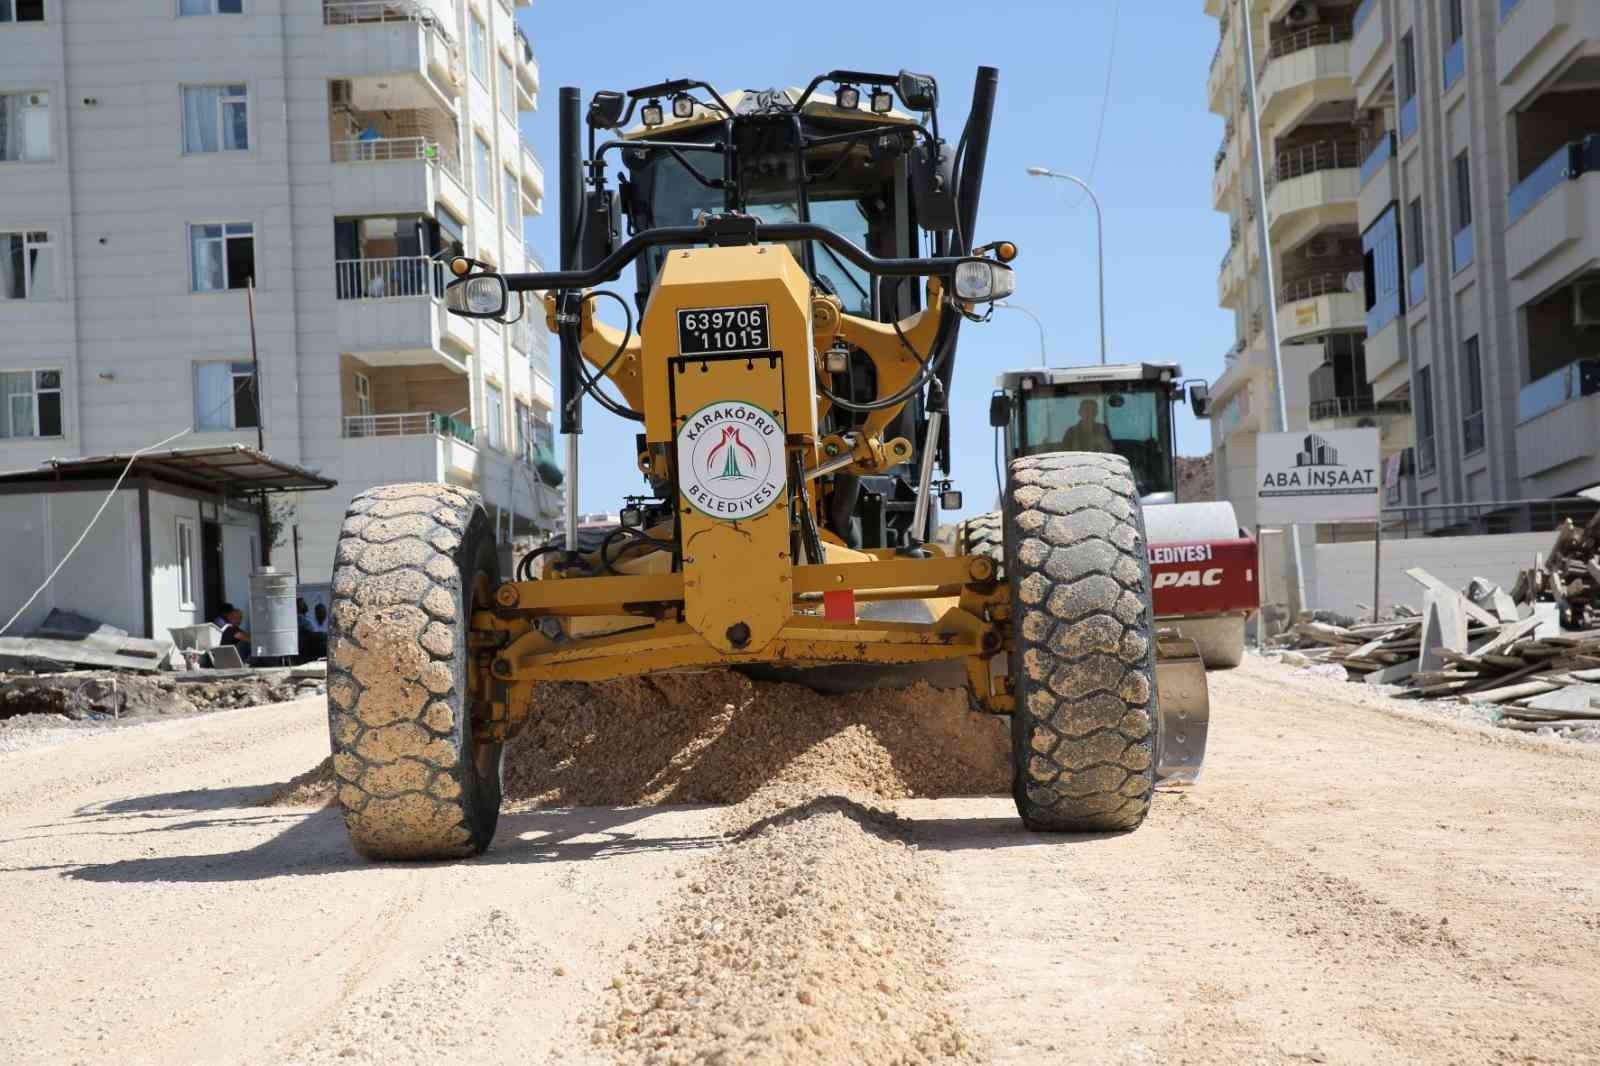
[1510, 692]
[1508, 634]
[1557, 723]
[1428, 581]
[1391, 674]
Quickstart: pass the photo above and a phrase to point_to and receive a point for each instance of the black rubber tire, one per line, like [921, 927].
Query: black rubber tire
[411, 563]
[1083, 660]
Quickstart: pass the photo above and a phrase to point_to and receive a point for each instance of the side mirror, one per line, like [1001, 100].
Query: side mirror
[933, 185]
[605, 109]
[1000, 410]
[1200, 400]
[919, 92]
[480, 296]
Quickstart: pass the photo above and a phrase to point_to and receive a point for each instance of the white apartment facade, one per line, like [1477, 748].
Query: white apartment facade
[157, 155]
[1434, 209]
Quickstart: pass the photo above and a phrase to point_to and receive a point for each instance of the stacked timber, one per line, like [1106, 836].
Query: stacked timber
[1569, 575]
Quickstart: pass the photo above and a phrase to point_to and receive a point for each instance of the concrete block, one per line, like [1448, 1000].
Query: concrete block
[1567, 698]
[1549, 615]
[1444, 625]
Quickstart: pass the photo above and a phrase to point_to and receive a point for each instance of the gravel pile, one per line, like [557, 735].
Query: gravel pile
[810, 939]
[314, 788]
[717, 736]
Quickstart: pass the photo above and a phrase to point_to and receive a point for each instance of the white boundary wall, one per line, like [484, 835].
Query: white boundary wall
[1344, 571]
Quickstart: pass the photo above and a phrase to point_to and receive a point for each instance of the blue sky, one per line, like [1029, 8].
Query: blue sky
[1163, 240]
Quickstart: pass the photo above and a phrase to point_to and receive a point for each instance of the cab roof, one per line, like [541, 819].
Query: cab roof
[751, 101]
[1012, 380]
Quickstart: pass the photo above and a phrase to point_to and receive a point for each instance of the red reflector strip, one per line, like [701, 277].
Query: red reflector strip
[839, 605]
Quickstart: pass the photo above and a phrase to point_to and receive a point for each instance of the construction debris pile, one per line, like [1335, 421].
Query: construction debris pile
[1569, 577]
[1476, 646]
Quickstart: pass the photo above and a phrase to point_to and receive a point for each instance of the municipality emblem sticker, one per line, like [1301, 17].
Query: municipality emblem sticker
[730, 460]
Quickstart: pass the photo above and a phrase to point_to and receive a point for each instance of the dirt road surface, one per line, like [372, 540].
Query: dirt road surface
[1352, 882]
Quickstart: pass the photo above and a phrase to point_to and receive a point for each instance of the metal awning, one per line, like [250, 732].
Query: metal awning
[230, 470]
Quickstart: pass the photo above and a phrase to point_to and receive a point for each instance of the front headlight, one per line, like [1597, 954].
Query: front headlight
[483, 296]
[983, 281]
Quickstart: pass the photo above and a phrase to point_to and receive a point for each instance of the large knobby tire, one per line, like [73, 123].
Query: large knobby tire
[1083, 664]
[411, 564]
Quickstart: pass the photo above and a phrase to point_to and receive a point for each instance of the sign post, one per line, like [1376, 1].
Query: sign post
[1324, 476]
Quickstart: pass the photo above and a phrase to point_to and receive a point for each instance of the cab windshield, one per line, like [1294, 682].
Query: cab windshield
[1130, 419]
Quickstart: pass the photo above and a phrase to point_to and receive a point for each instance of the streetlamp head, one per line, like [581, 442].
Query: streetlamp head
[1040, 172]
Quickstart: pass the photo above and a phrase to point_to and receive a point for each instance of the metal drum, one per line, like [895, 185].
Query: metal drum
[274, 633]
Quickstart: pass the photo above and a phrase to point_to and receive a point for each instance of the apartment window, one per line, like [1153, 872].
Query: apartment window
[186, 580]
[210, 7]
[452, 231]
[1461, 169]
[482, 169]
[1381, 254]
[1408, 67]
[494, 407]
[478, 47]
[1454, 24]
[216, 118]
[30, 403]
[511, 208]
[225, 397]
[24, 127]
[1416, 249]
[1472, 429]
[27, 266]
[1424, 418]
[363, 395]
[524, 432]
[508, 90]
[544, 434]
[222, 255]
[21, 11]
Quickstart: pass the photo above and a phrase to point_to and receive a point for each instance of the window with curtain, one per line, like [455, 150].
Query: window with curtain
[508, 90]
[24, 127]
[225, 397]
[494, 413]
[511, 209]
[21, 11]
[484, 171]
[30, 403]
[210, 7]
[222, 255]
[27, 266]
[186, 582]
[478, 46]
[524, 431]
[216, 118]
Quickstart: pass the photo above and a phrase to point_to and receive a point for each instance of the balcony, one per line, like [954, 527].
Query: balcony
[1555, 230]
[1302, 71]
[1314, 186]
[1386, 358]
[1538, 40]
[383, 167]
[1556, 416]
[1376, 158]
[1379, 184]
[532, 176]
[1317, 304]
[408, 424]
[1417, 285]
[1410, 118]
[400, 42]
[391, 313]
[527, 66]
[1462, 248]
[1344, 412]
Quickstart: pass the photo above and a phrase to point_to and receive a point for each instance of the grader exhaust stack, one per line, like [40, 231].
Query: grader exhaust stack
[802, 267]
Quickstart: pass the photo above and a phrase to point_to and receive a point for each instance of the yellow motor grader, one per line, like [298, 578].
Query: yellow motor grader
[804, 262]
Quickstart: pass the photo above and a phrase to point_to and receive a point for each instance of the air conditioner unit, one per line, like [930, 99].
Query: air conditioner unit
[1302, 15]
[1586, 303]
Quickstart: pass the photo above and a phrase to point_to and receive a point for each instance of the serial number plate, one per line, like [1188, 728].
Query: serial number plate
[713, 330]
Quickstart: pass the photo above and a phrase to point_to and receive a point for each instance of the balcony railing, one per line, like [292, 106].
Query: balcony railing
[1311, 158]
[1300, 40]
[386, 279]
[1380, 154]
[1309, 288]
[1461, 248]
[1410, 117]
[1417, 285]
[1570, 162]
[356, 12]
[1357, 407]
[1571, 382]
[1227, 258]
[522, 42]
[1455, 62]
[395, 150]
[409, 424]
[1363, 13]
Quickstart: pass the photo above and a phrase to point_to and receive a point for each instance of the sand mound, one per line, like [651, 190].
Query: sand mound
[809, 939]
[717, 736]
[314, 788]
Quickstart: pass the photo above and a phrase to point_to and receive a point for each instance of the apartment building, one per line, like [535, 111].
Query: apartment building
[1434, 210]
[158, 157]
[1313, 137]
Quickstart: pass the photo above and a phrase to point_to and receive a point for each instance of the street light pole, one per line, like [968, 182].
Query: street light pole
[1009, 306]
[1100, 241]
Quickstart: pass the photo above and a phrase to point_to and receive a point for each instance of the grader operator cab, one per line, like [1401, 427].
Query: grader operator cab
[1203, 566]
[804, 262]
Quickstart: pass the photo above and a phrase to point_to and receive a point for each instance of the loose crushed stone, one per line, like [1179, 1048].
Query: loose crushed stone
[88, 694]
[717, 737]
[314, 788]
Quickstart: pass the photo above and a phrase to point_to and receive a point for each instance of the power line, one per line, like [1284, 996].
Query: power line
[1105, 94]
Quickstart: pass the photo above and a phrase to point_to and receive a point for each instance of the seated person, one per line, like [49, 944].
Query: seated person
[235, 636]
[1090, 434]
